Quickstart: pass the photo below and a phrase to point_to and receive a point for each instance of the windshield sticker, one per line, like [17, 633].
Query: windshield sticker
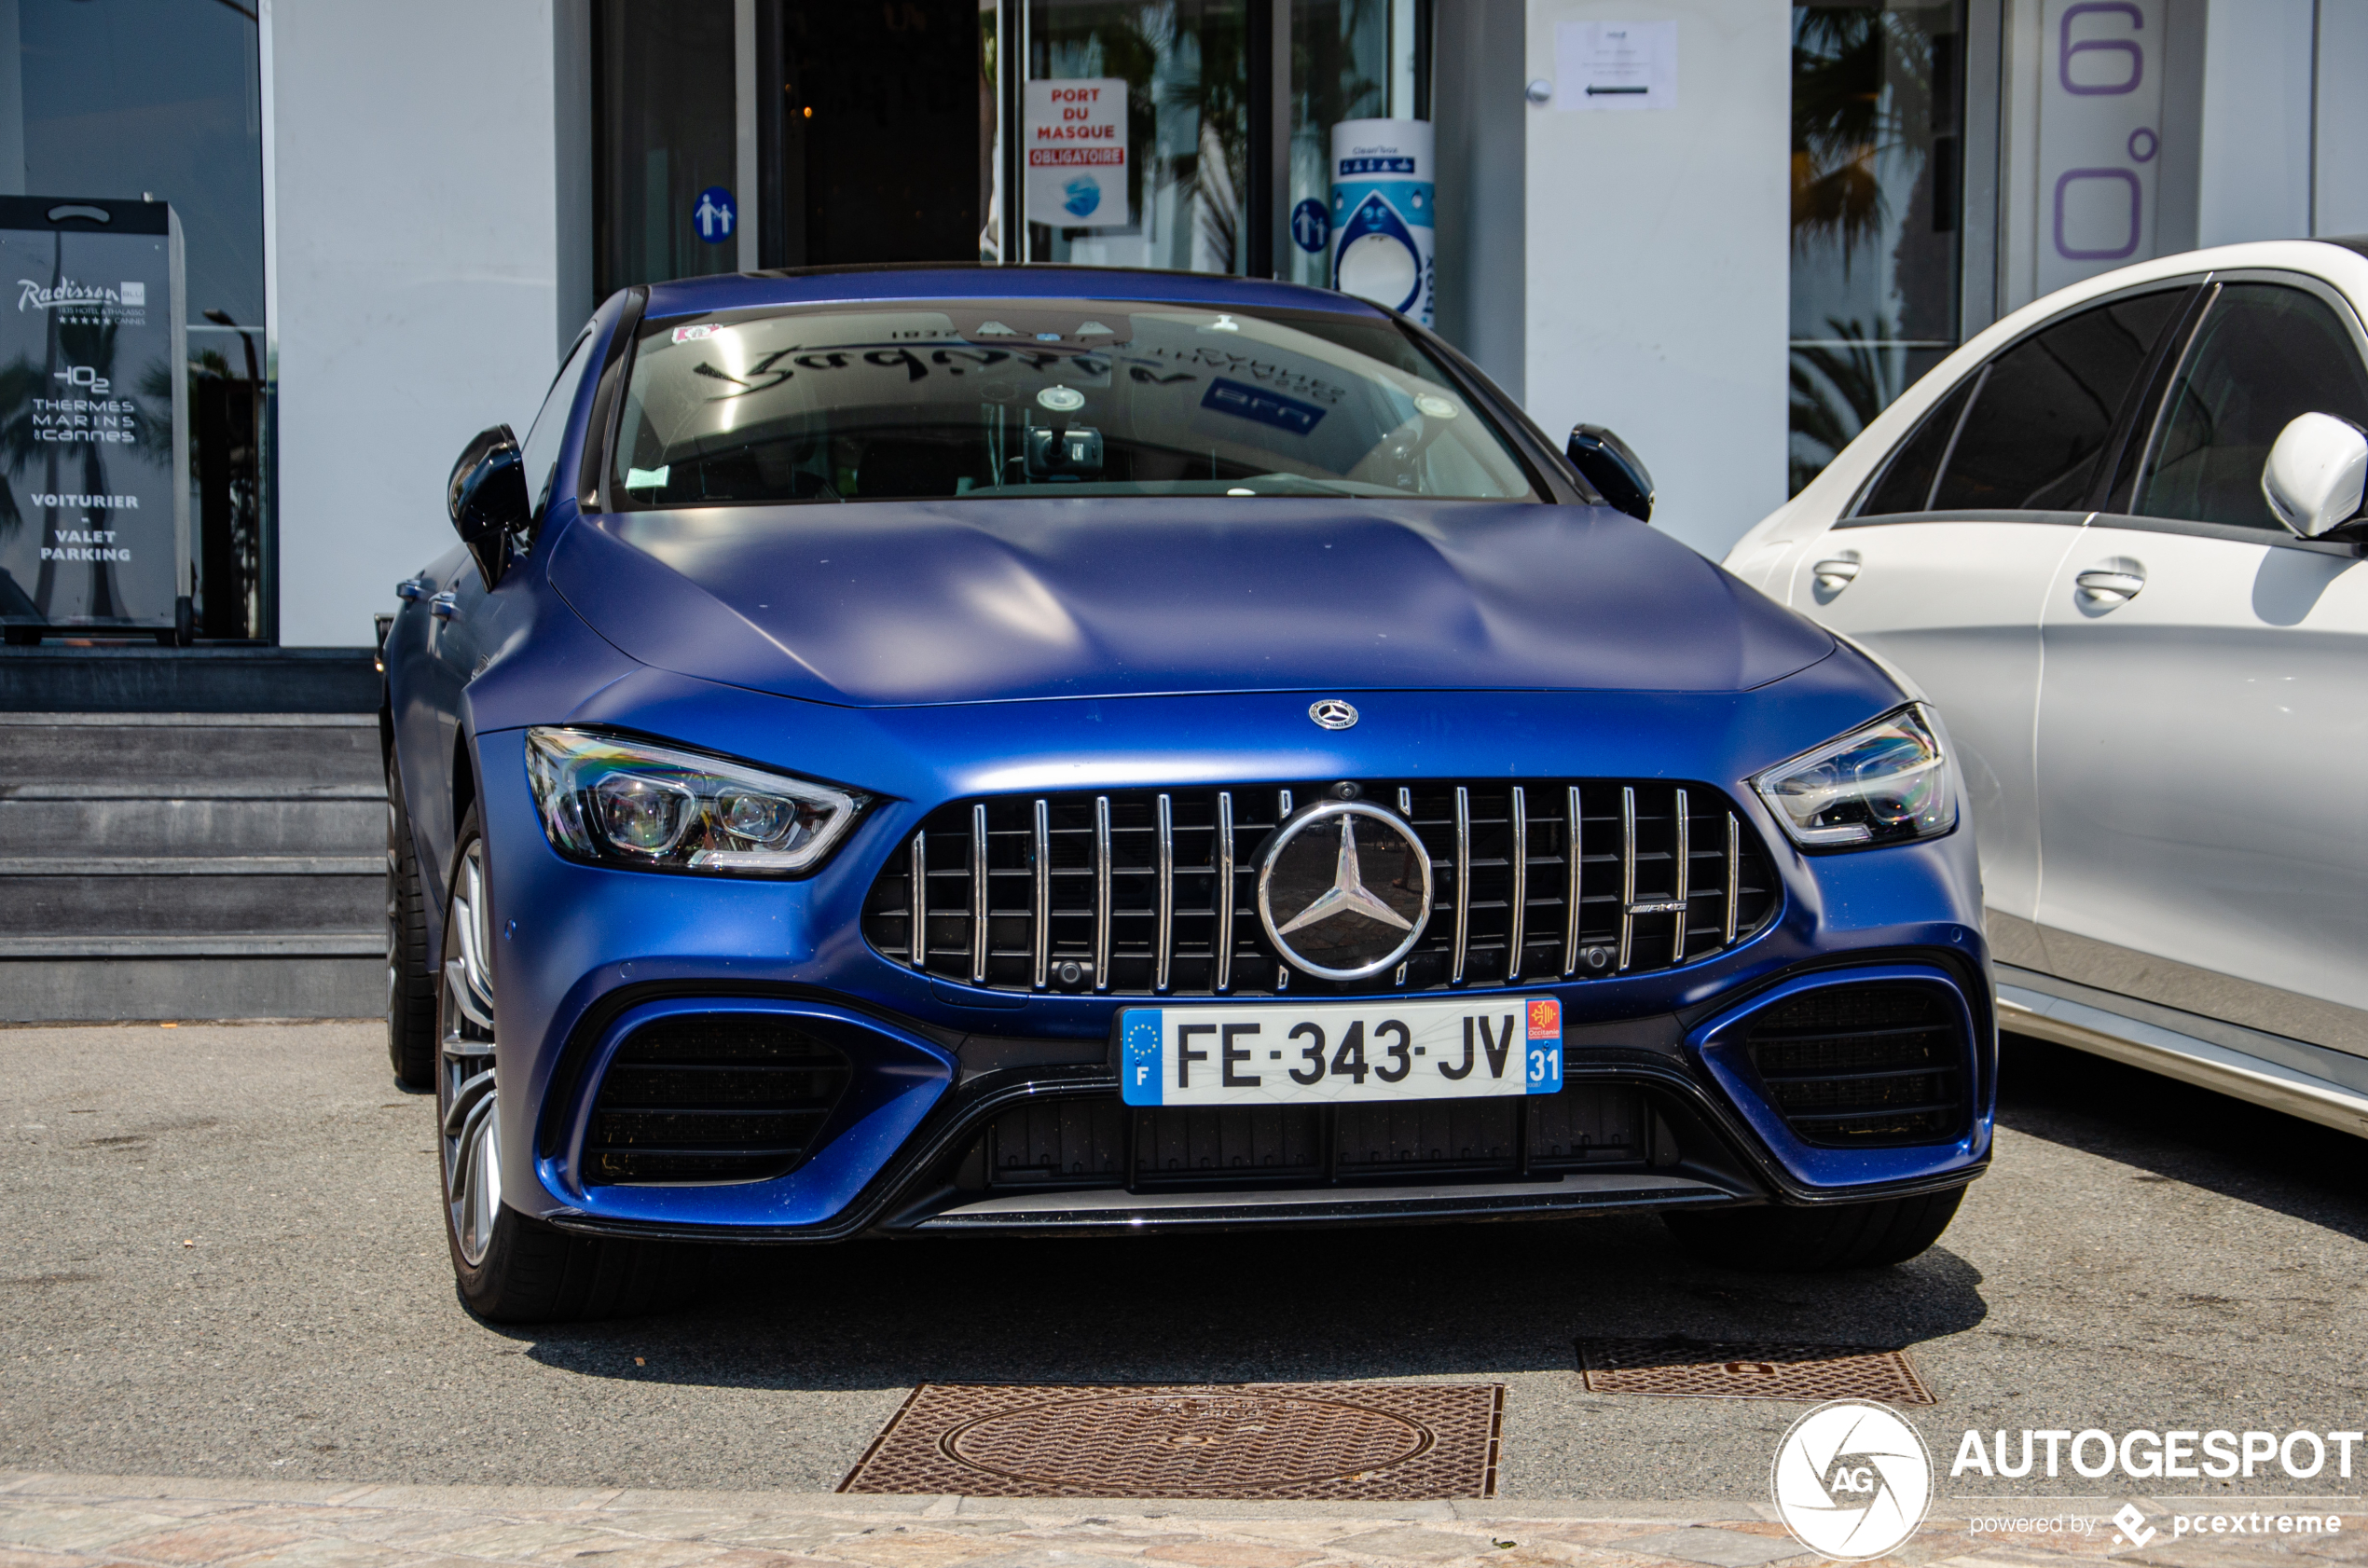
[694, 334]
[1255, 403]
[1238, 363]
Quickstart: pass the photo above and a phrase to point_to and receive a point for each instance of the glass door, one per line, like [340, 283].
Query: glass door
[1136, 133]
[1877, 132]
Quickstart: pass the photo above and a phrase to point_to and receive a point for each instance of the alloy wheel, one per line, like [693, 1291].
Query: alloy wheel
[465, 1098]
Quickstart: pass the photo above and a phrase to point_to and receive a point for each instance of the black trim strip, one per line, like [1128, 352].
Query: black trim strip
[2232, 532]
[2000, 514]
[591, 474]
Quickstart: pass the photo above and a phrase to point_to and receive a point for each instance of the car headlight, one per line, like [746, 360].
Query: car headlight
[628, 802]
[1885, 783]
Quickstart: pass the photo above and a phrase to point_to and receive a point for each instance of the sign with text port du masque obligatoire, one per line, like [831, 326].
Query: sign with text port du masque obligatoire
[1383, 205]
[1077, 153]
[94, 494]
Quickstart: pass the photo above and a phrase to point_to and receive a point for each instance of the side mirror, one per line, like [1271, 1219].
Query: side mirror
[487, 497]
[2316, 473]
[1618, 474]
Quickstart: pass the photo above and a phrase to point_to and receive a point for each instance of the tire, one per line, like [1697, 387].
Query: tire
[411, 999]
[510, 1268]
[1771, 1240]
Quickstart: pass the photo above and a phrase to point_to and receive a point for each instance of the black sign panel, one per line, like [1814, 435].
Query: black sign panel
[94, 505]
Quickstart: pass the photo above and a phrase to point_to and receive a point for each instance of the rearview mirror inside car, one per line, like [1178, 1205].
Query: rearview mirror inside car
[2316, 473]
[1618, 476]
[487, 496]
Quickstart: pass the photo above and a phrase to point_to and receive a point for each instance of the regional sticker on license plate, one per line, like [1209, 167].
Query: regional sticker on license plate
[1289, 1053]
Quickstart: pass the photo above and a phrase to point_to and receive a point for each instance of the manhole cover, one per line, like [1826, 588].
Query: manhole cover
[1249, 1440]
[1709, 1370]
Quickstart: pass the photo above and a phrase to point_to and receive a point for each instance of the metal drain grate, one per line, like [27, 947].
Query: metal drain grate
[1282, 1441]
[1713, 1369]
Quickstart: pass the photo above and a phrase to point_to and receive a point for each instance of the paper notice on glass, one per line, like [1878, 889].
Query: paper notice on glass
[1077, 153]
[1616, 66]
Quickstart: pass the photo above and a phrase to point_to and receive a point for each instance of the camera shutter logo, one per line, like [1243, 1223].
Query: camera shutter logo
[1852, 1479]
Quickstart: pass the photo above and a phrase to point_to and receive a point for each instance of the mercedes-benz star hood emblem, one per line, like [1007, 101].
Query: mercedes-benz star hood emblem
[1332, 713]
[1338, 908]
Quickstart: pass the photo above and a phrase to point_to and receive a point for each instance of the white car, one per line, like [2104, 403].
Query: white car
[2147, 632]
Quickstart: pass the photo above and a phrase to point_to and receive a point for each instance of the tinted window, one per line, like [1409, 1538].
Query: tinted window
[2264, 355]
[539, 457]
[1907, 484]
[2045, 406]
[1044, 398]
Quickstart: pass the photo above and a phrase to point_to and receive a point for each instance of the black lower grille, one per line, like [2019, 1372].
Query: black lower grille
[1098, 1142]
[1126, 893]
[712, 1097]
[1869, 1065]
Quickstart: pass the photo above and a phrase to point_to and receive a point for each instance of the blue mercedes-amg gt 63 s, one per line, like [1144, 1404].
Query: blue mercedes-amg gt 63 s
[934, 751]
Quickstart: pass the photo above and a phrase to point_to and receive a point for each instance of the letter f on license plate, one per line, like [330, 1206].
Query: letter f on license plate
[1453, 1049]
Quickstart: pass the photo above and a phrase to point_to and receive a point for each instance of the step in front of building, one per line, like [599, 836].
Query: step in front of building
[161, 866]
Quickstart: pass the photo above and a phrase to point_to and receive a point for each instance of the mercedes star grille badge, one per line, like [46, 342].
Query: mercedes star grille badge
[1332, 713]
[1337, 907]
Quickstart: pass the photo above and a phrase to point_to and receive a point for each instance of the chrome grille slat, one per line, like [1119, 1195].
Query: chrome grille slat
[1516, 899]
[1101, 892]
[1627, 872]
[1684, 878]
[1463, 881]
[1222, 892]
[1734, 876]
[1142, 891]
[978, 894]
[917, 902]
[1040, 938]
[1163, 950]
[1574, 851]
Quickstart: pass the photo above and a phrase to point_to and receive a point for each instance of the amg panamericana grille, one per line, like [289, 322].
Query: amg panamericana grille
[1154, 892]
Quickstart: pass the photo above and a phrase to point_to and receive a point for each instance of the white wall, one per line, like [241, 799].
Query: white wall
[1658, 250]
[416, 252]
[2255, 178]
[2343, 116]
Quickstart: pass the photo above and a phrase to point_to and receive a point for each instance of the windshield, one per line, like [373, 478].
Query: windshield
[1000, 398]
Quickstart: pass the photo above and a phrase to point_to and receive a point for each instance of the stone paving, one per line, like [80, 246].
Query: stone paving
[100, 1521]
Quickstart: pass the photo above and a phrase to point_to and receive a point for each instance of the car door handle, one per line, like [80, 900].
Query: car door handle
[444, 607]
[411, 588]
[2107, 589]
[1835, 574]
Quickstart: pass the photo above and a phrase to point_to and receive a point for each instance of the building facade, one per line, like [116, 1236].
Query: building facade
[1732, 230]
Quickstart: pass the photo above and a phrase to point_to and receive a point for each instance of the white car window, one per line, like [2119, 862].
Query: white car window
[2264, 354]
[2040, 415]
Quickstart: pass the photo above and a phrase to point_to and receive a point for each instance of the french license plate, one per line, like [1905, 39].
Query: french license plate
[1289, 1054]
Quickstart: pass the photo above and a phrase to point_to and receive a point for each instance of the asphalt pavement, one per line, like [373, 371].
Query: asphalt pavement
[222, 1258]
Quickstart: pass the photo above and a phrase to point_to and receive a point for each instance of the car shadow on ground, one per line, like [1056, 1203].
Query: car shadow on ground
[2171, 1131]
[1441, 1301]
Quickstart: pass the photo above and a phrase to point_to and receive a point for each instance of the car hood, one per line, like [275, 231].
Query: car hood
[892, 604]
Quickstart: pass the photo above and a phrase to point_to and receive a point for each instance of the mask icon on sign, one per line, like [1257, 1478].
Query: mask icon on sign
[1377, 259]
[1083, 194]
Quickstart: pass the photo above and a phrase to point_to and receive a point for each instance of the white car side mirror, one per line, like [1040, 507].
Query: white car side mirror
[2316, 473]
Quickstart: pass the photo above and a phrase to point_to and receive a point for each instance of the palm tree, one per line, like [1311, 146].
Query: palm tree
[1862, 86]
[1836, 393]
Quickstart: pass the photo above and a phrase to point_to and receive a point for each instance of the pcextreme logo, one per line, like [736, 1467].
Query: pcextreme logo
[1852, 1479]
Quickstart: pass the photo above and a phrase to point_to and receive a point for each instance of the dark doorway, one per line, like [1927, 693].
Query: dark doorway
[873, 130]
